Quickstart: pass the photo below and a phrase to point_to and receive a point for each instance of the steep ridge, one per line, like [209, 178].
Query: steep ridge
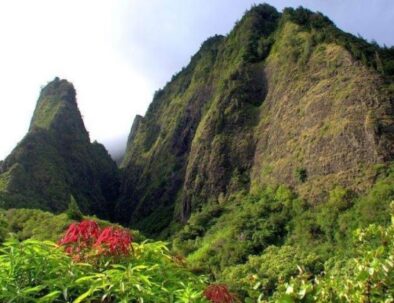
[283, 99]
[56, 159]
[156, 158]
[326, 120]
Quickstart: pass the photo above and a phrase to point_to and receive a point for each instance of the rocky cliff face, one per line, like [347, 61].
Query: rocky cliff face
[56, 159]
[326, 116]
[284, 98]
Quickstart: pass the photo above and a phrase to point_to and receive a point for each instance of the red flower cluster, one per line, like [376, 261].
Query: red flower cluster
[114, 241]
[84, 233]
[86, 238]
[218, 293]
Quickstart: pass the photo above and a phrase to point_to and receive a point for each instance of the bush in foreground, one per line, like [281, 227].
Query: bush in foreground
[366, 277]
[41, 271]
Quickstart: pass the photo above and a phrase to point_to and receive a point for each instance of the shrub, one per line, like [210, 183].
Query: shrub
[73, 212]
[86, 240]
[40, 271]
[246, 224]
[37, 224]
[263, 273]
[301, 174]
[366, 277]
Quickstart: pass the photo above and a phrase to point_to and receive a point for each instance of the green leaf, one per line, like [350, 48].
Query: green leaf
[84, 279]
[35, 289]
[286, 299]
[83, 296]
[363, 275]
[49, 297]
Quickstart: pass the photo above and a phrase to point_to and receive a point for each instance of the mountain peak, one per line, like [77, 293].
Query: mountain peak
[57, 96]
[56, 159]
[60, 88]
[57, 111]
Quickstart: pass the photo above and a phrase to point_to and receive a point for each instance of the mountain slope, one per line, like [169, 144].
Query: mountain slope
[326, 115]
[284, 98]
[56, 159]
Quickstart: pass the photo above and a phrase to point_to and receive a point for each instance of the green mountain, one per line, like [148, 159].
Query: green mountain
[284, 98]
[266, 163]
[56, 160]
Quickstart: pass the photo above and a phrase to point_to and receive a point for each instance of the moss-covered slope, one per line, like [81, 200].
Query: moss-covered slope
[284, 98]
[56, 160]
[326, 120]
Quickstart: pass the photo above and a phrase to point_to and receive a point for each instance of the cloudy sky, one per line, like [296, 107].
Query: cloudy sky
[118, 52]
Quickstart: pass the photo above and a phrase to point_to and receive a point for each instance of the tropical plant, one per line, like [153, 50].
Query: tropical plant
[86, 241]
[42, 271]
[366, 277]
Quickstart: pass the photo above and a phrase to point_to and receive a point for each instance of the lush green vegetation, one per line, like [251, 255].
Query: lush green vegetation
[255, 243]
[40, 271]
[214, 146]
[324, 30]
[23, 224]
[267, 247]
[368, 276]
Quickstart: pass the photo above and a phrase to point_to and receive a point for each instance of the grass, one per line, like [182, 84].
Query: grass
[46, 112]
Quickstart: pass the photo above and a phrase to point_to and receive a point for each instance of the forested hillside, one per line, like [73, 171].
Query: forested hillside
[284, 99]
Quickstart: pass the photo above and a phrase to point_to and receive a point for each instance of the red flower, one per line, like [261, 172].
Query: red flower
[114, 241]
[83, 238]
[218, 293]
[86, 231]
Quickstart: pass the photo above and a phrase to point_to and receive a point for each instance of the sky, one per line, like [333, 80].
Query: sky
[118, 53]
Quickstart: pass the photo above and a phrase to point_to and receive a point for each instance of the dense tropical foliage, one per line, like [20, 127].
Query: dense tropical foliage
[366, 277]
[256, 243]
[90, 264]
[93, 265]
[265, 247]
